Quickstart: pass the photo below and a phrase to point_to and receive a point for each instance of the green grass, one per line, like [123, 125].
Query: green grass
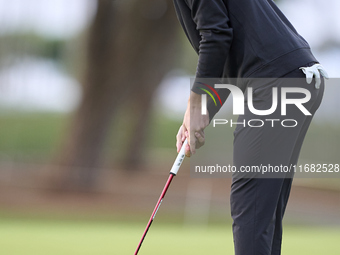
[20, 236]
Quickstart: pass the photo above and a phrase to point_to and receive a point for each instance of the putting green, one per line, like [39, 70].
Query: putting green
[81, 237]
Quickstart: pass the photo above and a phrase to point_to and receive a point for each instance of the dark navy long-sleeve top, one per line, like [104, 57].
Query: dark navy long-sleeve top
[241, 39]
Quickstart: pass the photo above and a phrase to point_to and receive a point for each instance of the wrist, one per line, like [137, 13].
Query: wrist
[195, 99]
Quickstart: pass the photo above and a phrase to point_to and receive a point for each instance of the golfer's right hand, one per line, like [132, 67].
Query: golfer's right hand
[180, 138]
[193, 126]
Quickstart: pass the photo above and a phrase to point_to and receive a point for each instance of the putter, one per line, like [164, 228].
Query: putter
[174, 170]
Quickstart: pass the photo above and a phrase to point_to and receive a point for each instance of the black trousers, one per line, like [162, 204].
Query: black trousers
[258, 204]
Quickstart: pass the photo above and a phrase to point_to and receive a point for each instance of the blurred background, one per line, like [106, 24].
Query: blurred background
[92, 93]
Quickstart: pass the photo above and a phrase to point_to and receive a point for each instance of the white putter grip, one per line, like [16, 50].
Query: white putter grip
[180, 157]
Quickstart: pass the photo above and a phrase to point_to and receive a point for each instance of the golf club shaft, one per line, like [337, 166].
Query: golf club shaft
[173, 172]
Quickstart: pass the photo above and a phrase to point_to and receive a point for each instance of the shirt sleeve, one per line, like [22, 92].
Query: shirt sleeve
[212, 22]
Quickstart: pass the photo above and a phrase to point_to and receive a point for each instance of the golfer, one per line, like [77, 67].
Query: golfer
[252, 39]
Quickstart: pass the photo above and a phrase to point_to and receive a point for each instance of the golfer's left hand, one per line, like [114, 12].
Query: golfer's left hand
[314, 71]
[193, 126]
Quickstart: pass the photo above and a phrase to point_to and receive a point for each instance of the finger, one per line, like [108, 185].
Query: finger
[178, 146]
[317, 78]
[187, 151]
[187, 147]
[309, 76]
[192, 142]
[183, 137]
[323, 72]
[200, 139]
[308, 73]
[179, 139]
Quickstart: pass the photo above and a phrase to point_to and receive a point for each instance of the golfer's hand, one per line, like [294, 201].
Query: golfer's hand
[193, 126]
[314, 71]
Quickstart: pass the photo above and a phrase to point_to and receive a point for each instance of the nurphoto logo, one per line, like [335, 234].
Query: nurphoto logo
[239, 99]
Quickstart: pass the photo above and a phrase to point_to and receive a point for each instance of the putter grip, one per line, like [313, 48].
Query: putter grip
[179, 159]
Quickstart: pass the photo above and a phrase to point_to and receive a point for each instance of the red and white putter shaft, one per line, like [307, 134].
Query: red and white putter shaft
[174, 170]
